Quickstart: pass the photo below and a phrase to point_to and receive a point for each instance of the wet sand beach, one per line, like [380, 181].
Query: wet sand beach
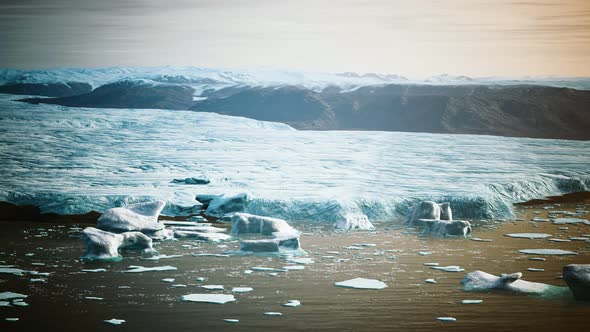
[393, 254]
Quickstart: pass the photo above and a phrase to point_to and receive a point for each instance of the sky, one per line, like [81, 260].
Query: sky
[415, 38]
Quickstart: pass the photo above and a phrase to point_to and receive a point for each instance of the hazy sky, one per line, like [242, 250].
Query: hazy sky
[415, 38]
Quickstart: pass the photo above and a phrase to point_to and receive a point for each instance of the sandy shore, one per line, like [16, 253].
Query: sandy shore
[390, 254]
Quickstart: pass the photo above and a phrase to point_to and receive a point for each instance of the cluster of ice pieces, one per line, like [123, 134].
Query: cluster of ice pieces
[437, 220]
[283, 237]
[135, 226]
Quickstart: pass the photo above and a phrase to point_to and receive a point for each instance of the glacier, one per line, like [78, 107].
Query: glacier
[70, 160]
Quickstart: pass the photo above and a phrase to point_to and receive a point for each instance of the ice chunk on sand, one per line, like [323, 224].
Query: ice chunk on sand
[482, 281]
[424, 253]
[537, 219]
[481, 240]
[242, 289]
[270, 245]
[292, 303]
[94, 298]
[94, 270]
[537, 259]
[208, 298]
[102, 245]
[354, 222]
[272, 313]
[471, 301]
[447, 319]
[528, 235]
[223, 204]
[547, 252]
[449, 268]
[245, 223]
[431, 264]
[139, 269]
[209, 255]
[563, 221]
[114, 321]
[533, 269]
[362, 283]
[430, 281]
[11, 295]
[213, 287]
[168, 280]
[142, 217]
[559, 240]
[231, 320]
[178, 286]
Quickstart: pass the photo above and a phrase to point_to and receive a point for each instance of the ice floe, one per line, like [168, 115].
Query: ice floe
[482, 281]
[292, 303]
[245, 223]
[242, 289]
[114, 321]
[213, 287]
[170, 280]
[471, 301]
[449, 268]
[534, 269]
[208, 298]
[302, 260]
[142, 217]
[442, 228]
[94, 270]
[193, 180]
[362, 283]
[270, 245]
[223, 204]
[547, 252]
[447, 319]
[93, 298]
[11, 295]
[102, 245]
[563, 221]
[529, 235]
[140, 269]
[231, 320]
[430, 281]
[273, 313]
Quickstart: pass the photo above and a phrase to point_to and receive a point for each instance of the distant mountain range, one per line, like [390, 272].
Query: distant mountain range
[345, 101]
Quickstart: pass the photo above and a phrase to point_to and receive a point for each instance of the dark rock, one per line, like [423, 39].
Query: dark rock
[47, 89]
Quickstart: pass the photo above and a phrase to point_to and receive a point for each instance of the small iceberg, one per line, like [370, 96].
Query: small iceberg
[547, 252]
[213, 287]
[482, 281]
[102, 245]
[354, 222]
[447, 319]
[114, 321]
[142, 217]
[208, 298]
[292, 303]
[362, 283]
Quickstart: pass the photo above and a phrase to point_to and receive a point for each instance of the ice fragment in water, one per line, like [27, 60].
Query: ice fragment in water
[447, 319]
[292, 303]
[242, 289]
[208, 298]
[471, 301]
[547, 252]
[529, 235]
[362, 283]
[449, 268]
[114, 321]
[213, 287]
[139, 269]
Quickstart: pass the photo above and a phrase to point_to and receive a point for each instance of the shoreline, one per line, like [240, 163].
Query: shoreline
[30, 213]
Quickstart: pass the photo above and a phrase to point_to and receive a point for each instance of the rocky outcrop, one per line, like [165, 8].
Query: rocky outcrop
[46, 89]
[128, 94]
